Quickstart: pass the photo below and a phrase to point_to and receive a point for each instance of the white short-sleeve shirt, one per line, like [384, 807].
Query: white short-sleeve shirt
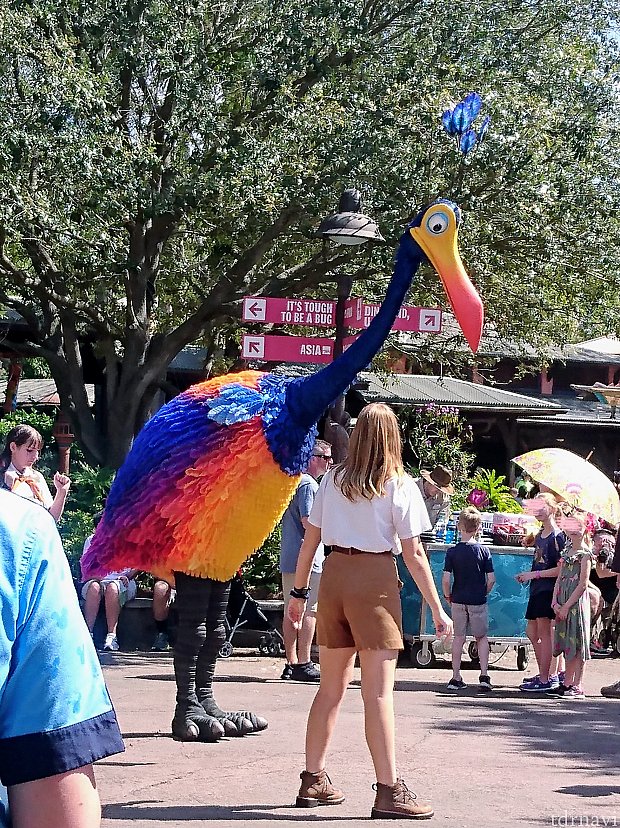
[372, 525]
[23, 489]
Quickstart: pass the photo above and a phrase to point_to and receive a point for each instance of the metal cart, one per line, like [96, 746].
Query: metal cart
[507, 603]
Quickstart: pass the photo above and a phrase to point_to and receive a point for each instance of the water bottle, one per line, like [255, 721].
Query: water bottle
[451, 531]
[440, 529]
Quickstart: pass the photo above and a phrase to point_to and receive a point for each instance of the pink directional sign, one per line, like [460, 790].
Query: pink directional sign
[359, 314]
[321, 313]
[315, 312]
[268, 348]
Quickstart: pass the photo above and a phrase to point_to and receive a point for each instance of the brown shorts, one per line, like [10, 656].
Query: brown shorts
[359, 603]
[474, 616]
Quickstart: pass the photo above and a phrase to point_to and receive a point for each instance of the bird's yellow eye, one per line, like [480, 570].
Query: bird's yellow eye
[437, 223]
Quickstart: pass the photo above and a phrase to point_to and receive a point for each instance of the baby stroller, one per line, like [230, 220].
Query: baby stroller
[610, 632]
[243, 611]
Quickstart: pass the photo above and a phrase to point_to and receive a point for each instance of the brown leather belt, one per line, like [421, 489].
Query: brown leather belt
[351, 550]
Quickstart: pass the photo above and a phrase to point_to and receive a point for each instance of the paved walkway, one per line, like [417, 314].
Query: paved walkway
[486, 762]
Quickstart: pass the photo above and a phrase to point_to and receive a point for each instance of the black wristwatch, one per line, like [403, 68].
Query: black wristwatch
[300, 593]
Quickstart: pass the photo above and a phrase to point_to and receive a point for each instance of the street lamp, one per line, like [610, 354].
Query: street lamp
[349, 226]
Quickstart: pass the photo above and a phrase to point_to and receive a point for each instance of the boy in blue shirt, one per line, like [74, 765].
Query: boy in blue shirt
[469, 567]
[56, 717]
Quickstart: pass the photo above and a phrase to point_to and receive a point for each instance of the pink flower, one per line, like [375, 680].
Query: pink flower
[478, 498]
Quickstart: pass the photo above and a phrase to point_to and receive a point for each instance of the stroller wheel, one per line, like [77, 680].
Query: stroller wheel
[226, 650]
[264, 645]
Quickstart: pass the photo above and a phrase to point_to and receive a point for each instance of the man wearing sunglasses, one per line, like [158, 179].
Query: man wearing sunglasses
[297, 643]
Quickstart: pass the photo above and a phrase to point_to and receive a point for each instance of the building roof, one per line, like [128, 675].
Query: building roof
[602, 345]
[604, 350]
[577, 413]
[415, 389]
[191, 359]
[41, 392]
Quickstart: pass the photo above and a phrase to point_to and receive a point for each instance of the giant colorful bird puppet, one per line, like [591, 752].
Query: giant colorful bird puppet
[210, 475]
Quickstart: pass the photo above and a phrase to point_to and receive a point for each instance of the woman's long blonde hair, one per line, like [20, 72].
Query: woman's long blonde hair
[375, 454]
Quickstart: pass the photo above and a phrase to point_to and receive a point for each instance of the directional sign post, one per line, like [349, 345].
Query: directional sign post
[313, 312]
[319, 313]
[360, 314]
[268, 348]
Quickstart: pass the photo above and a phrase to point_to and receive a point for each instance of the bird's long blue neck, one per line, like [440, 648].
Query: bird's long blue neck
[307, 399]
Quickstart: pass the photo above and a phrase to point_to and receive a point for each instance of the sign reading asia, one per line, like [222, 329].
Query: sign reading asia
[271, 348]
[321, 313]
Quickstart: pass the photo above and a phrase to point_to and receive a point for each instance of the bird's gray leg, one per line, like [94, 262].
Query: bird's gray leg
[240, 722]
[190, 722]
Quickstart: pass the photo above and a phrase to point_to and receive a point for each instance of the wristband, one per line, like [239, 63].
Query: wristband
[300, 593]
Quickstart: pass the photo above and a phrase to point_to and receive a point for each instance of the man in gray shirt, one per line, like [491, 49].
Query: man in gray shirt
[297, 643]
[436, 488]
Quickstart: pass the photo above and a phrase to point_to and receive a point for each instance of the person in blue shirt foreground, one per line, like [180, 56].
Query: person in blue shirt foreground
[470, 568]
[56, 717]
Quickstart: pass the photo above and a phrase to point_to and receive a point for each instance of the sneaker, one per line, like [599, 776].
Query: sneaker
[398, 802]
[287, 672]
[484, 684]
[317, 789]
[612, 691]
[111, 642]
[557, 692]
[161, 643]
[305, 672]
[456, 684]
[598, 651]
[529, 680]
[574, 692]
[554, 681]
[561, 677]
[538, 686]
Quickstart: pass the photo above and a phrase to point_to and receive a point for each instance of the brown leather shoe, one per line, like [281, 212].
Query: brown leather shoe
[317, 789]
[398, 802]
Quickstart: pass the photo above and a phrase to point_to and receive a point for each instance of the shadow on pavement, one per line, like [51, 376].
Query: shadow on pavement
[216, 679]
[245, 813]
[124, 764]
[590, 790]
[572, 729]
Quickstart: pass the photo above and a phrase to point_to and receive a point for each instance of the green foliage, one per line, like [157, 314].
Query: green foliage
[261, 572]
[35, 368]
[500, 499]
[44, 424]
[161, 160]
[89, 489]
[437, 435]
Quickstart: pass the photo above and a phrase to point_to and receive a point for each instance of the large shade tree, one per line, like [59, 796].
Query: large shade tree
[160, 161]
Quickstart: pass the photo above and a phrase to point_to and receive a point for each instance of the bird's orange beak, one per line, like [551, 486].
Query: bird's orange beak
[437, 235]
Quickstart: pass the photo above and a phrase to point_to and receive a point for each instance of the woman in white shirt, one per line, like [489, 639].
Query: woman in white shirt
[366, 509]
[21, 451]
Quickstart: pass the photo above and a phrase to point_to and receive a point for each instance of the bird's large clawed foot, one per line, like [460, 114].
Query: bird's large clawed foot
[246, 722]
[194, 725]
[240, 723]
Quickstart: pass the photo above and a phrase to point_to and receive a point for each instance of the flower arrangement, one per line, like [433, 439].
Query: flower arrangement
[489, 489]
[436, 435]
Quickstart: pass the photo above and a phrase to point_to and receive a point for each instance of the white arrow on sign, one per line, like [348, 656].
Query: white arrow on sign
[430, 320]
[254, 309]
[253, 347]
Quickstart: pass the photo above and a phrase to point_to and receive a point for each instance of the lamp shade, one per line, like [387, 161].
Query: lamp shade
[349, 225]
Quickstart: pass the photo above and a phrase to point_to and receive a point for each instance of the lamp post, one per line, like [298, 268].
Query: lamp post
[63, 433]
[349, 226]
